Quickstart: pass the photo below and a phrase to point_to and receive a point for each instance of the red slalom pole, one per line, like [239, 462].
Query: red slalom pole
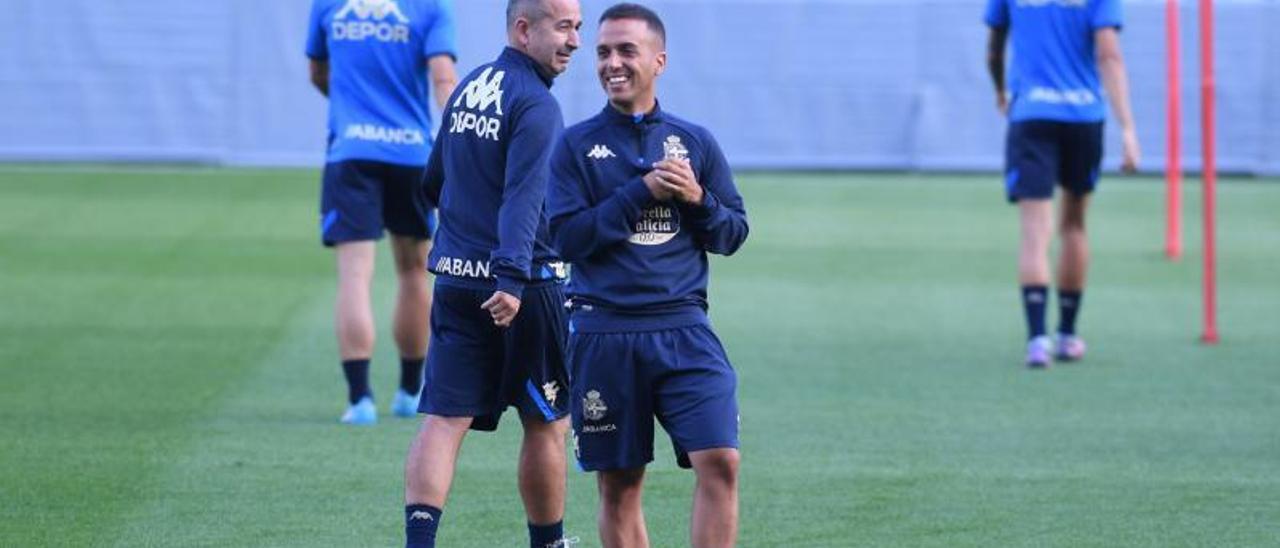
[1207, 122]
[1173, 162]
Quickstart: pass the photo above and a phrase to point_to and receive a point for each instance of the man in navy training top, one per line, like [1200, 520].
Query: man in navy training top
[1055, 110]
[638, 199]
[498, 319]
[371, 59]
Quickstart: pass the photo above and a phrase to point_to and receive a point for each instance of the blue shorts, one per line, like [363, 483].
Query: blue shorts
[477, 369]
[1040, 154]
[621, 381]
[360, 197]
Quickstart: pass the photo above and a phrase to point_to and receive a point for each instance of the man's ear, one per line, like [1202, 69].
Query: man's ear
[522, 32]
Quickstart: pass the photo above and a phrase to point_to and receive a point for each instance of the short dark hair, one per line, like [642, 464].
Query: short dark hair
[628, 10]
[533, 10]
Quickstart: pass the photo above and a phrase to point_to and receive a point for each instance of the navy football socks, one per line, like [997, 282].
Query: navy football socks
[411, 375]
[420, 523]
[541, 536]
[1068, 307]
[1034, 299]
[357, 373]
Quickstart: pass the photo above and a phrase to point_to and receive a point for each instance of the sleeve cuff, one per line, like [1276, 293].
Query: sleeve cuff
[708, 206]
[511, 286]
[452, 55]
[637, 194]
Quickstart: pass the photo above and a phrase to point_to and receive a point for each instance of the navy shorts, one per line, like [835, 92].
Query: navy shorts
[621, 381]
[477, 369]
[1040, 154]
[360, 197]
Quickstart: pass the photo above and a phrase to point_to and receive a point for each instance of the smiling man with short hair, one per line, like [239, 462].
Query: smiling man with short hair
[638, 199]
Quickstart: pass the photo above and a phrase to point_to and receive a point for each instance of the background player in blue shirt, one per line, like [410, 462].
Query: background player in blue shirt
[1055, 110]
[638, 199]
[498, 320]
[371, 59]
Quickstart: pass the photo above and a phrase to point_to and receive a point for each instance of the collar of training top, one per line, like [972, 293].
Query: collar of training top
[653, 117]
[520, 58]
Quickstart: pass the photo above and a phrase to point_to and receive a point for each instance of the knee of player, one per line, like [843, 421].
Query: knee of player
[719, 465]
[1072, 225]
[617, 486]
[554, 431]
[437, 425]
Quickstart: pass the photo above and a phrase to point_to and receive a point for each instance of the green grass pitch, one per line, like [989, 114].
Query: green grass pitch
[168, 374]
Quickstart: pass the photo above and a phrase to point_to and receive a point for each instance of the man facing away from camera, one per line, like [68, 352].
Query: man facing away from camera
[498, 319]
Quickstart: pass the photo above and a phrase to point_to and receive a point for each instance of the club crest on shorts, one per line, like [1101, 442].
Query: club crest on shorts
[593, 408]
[673, 149]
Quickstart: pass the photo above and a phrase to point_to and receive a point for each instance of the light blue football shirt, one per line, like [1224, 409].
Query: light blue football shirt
[378, 93]
[1053, 74]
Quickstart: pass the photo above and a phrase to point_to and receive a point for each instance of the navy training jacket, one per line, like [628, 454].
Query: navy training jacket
[488, 176]
[638, 260]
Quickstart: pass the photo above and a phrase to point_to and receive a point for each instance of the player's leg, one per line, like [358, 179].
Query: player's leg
[621, 517]
[612, 406]
[353, 313]
[715, 497]
[463, 368]
[353, 321]
[1036, 232]
[411, 317]
[351, 222]
[1073, 258]
[1035, 220]
[1080, 166]
[697, 404]
[1073, 264]
[428, 475]
[1032, 169]
[536, 376]
[409, 221]
[541, 478]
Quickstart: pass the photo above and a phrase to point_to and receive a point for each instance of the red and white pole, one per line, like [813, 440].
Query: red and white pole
[1207, 123]
[1173, 147]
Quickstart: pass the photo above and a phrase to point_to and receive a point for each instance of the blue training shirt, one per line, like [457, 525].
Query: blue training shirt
[377, 52]
[638, 262]
[1053, 74]
[488, 175]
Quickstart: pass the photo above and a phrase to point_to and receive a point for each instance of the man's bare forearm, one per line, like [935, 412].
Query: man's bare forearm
[444, 77]
[1114, 78]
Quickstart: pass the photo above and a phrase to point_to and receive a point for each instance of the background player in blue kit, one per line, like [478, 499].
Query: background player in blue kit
[498, 319]
[638, 199]
[1055, 110]
[371, 59]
